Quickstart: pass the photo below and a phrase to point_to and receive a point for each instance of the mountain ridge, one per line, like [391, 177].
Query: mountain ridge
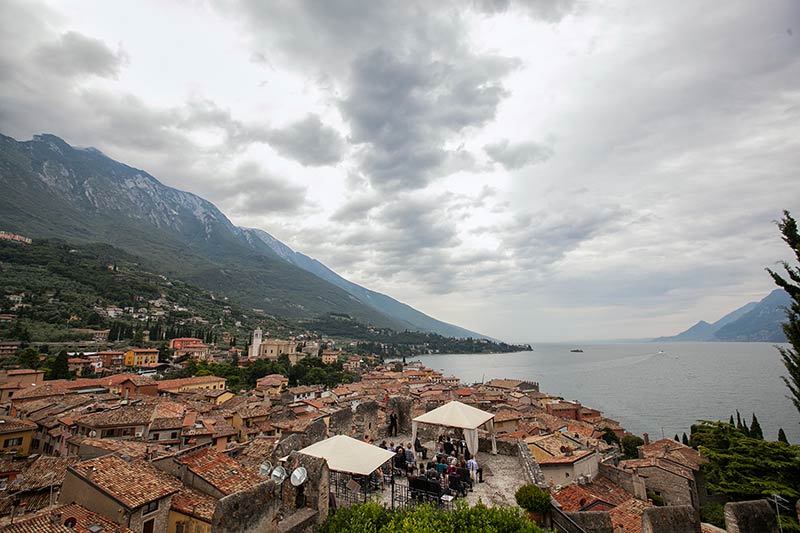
[53, 190]
[753, 322]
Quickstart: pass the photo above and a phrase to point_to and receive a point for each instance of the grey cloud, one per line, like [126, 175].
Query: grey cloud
[251, 191]
[356, 209]
[518, 155]
[75, 54]
[404, 109]
[308, 141]
[414, 83]
[546, 10]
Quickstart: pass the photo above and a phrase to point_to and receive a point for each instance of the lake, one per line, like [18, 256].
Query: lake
[647, 391]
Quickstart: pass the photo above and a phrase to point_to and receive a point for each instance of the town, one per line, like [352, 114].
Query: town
[127, 449]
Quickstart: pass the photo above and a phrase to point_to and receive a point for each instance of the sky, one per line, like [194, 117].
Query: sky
[535, 170]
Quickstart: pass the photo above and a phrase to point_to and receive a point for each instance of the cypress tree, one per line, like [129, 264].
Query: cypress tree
[685, 439]
[60, 368]
[755, 429]
[676, 438]
[731, 421]
[791, 355]
[782, 436]
[738, 420]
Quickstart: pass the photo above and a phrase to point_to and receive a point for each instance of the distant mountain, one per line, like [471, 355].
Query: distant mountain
[754, 322]
[760, 324]
[49, 189]
[415, 319]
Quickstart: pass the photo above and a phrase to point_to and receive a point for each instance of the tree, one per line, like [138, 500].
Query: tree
[755, 429]
[741, 425]
[29, 358]
[685, 439]
[791, 355]
[677, 439]
[731, 421]
[743, 468]
[630, 443]
[782, 436]
[60, 367]
[609, 436]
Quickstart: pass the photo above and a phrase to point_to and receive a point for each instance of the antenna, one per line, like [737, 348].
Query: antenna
[265, 469]
[779, 501]
[299, 476]
[278, 475]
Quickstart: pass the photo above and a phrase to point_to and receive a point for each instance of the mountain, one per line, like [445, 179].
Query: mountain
[49, 189]
[753, 322]
[415, 319]
[760, 324]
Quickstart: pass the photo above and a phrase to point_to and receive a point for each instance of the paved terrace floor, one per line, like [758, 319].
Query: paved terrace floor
[502, 476]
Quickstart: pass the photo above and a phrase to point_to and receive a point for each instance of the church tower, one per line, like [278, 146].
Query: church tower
[255, 346]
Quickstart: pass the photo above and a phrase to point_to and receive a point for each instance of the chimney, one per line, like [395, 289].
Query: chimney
[646, 438]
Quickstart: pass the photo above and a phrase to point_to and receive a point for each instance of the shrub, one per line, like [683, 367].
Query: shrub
[372, 518]
[713, 513]
[533, 499]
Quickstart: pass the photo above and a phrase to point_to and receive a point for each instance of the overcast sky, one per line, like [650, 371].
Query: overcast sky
[538, 170]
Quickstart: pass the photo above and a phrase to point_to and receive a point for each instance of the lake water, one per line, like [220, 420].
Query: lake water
[647, 391]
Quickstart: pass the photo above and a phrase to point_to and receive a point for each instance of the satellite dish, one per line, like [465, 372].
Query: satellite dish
[265, 469]
[278, 475]
[299, 476]
[92, 433]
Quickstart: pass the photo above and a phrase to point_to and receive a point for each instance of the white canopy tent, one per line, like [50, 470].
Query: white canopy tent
[458, 415]
[346, 454]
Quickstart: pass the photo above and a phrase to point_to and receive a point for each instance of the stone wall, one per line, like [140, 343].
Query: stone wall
[341, 422]
[504, 447]
[675, 519]
[626, 479]
[365, 421]
[269, 507]
[754, 516]
[593, 522]
[675, 489]
[401, 405]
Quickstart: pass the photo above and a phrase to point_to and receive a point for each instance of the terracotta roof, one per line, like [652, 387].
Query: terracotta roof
[271, 380]
[42, 473]
[193, 503]
[219, 470]
[132, 484]
[664, 464]
[168, 384]
[627, 517]
[506, 415]
[674, 451]
[136, 379]
[10, 424]
[126, 415]
[576, 497]
[130, 449]
[566, 459]
[46, 522]
[256, 451]
[23, 372]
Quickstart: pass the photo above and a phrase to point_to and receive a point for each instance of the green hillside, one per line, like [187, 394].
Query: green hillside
[67, 288]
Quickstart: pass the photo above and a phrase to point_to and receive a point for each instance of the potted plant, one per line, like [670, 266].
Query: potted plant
[535, 500]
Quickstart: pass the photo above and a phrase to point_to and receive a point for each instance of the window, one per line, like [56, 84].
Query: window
[154, 436]
[150, 507]
[174, 435]
[12, 442]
